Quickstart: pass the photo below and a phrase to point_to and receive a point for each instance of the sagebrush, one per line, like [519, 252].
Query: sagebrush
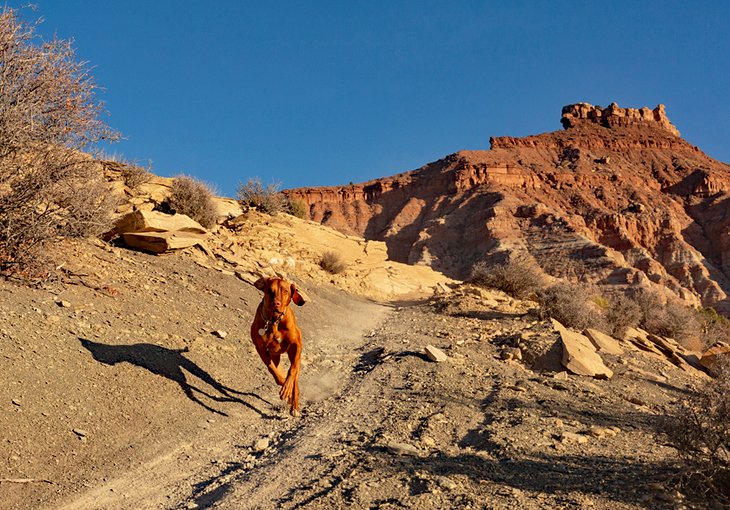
[193, 198]
[519, 276]
[332, 262]
[570, 304]
[699, 428]
[267, 199]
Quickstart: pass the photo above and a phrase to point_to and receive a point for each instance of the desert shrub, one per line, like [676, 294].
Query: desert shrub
[49, 189]
[193, 198]
[332, 262]
[134, 175]
[571, 305]
[298, 208]
[267, 199]
[671, 319]
[519, 276]
[700, 430]
[713, 327]
[620, 314]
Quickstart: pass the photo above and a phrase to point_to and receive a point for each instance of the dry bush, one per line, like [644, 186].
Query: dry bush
[332, 262]
[193, 198]
[700, 430]
[48, 113]
[713, 327]
[620, 314]
[266, 199]
[298, 208]
[570, 304]
[671, 319]
[134, 175]
[519, 276]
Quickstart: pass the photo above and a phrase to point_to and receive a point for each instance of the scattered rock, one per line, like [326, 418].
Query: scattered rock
[80, 432]
[220, 333]
[63, 304]
[511, 353]
[572, 437]
[261, 445]
[601, 432]
[435, 354]
[403, 449]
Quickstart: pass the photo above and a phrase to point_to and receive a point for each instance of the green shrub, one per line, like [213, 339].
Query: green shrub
[298, 208]
[193, 198]
[267, 199]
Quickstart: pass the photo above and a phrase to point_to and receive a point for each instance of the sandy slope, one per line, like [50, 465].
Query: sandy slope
[118, 395]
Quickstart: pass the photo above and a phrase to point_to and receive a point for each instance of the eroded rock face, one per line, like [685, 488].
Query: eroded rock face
[617, 198]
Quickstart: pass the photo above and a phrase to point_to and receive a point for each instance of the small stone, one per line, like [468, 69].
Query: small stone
[402, 449]
[572, 437]
[80, 433]
[261, 445]
[63, 304]
[601, 432]
[428, 442]
[220, 333]
[16, 402]
[435, 354]
[561, 376]
[53, 319]
[559, 423]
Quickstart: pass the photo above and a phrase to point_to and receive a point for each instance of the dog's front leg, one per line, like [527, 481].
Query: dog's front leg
[270, 365]
[290, 389]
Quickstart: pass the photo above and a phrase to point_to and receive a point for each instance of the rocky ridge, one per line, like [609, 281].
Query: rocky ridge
[617, 199]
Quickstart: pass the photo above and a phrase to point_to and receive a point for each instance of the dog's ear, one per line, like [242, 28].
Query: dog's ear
[261, 283]
[296, 296]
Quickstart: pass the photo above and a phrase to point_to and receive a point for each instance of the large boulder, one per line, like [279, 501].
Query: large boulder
[579, 354]
[156, 221]
[160, 242]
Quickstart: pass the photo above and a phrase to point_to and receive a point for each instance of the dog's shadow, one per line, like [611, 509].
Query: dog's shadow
[171, 364]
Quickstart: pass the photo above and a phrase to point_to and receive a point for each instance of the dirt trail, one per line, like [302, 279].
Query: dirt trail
[120, 393]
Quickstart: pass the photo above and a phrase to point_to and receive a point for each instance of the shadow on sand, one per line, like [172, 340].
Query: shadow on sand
[171, 364]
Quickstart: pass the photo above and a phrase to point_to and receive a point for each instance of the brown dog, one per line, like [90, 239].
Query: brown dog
[274, 331]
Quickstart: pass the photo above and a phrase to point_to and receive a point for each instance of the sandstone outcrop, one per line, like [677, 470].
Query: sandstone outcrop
[617, 198]
[157, 232]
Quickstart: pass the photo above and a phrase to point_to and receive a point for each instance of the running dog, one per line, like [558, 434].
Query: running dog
[274, 331]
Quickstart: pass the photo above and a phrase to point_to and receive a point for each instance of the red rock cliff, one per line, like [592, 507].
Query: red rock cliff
[617, 198]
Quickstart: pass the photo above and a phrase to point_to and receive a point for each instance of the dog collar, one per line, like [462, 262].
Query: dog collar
[269, 324]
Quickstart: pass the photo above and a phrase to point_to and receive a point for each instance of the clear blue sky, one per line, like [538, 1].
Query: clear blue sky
[313, 93]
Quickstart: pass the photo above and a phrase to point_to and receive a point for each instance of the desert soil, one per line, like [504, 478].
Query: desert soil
[132, 383]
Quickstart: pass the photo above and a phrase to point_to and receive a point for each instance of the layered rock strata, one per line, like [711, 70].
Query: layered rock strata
[616, 198]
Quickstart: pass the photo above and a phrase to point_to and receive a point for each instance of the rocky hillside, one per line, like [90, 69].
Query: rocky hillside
[616, 198]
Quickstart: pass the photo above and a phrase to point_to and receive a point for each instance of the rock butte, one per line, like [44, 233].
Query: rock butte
[617, 198]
